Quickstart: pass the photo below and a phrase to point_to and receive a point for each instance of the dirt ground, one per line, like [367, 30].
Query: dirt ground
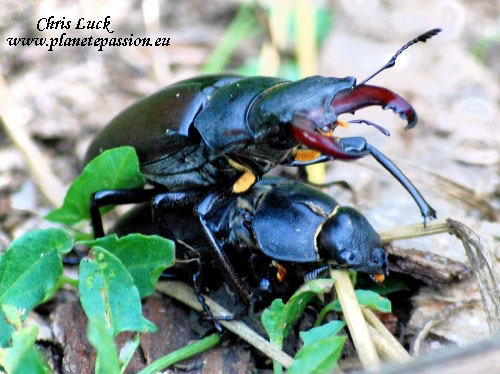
[63, 97]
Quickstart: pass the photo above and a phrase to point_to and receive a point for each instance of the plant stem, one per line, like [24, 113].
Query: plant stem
[182, 354]
[184, 293]
[354, 319]
[277, 367]
[68, 280]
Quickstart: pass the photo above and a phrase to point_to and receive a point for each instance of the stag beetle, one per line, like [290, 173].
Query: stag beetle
[219, 134]
[277, 227]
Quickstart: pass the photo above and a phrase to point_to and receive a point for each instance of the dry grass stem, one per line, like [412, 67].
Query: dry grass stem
[484, 265]
[184, 293]
[414, 231]
[354, 319]
[386, 344]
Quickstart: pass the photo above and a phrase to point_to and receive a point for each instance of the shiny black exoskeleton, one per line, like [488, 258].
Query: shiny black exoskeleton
[276, 225]
[205, 139]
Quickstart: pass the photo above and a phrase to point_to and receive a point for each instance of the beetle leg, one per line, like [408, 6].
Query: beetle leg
[72, 260]
[281, 271]
[313, 274]
[426, 210]
[303, 131]
[204, 211]
[174, 199]
[103, 198]
[318, 160]
[197, 281]
[357, 144]
[327, 145]
[356, 147]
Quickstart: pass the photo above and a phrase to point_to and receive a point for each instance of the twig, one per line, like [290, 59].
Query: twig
[391, 348]
[431, 268]
[482, 260]
[354, 319]
[414, 231]
[435, 320]
[182, 292]
[38, 164]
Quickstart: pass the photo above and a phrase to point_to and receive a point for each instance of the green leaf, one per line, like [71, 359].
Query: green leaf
[107, 291]
[145, 257]
[366, 298]
[181, 354]
[321, 350]
[31, 267]
[6, 330]
[374, 301]
[273, 322]
[99, 336]
[299, 300]
[12, 315]
[278, 320]
[320, 354]
[317, 333]
[114, 169]
[23, 357]
[128, 351]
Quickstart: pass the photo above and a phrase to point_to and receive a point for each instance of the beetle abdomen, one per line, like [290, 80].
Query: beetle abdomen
[158, 125]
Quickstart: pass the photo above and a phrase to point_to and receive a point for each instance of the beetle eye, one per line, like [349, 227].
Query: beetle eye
[328, 129]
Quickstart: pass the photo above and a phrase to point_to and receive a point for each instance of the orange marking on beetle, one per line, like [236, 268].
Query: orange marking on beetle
[379, 278]
[246, 180]
[341, 123]
[281, 274]
[304, 155]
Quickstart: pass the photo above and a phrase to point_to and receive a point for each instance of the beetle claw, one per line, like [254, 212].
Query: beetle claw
[342, 149]
[430, 213]
[362, 96]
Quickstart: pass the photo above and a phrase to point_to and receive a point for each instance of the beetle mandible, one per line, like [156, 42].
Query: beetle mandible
[219, 134]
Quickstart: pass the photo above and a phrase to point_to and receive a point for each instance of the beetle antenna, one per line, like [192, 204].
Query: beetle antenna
[421, 38]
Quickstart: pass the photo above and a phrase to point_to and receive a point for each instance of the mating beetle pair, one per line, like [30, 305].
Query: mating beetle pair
[203, 140]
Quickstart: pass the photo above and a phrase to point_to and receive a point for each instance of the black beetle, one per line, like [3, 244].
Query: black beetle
[275, 226]
[219, 134]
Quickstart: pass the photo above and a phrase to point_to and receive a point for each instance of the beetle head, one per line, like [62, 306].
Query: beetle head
[311, 107]
[348, 238]
[309, 98]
